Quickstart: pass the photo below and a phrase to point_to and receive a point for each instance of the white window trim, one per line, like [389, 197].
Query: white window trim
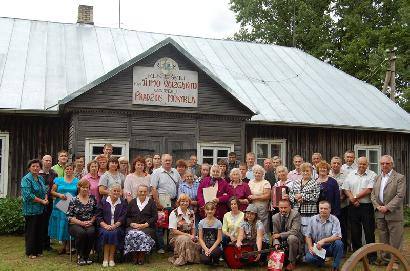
[212, 145]
[378, 148]
[5, 164]
[282, 142]
[89, 142]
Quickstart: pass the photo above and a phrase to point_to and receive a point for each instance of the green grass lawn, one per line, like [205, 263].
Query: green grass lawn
[12, 258]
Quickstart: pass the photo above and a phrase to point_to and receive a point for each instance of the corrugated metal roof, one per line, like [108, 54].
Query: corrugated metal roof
[42, 63]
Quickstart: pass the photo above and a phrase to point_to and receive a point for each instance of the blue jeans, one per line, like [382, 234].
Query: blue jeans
[334, 250]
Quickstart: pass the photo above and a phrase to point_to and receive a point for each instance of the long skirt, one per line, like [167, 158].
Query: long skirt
[185, 250]
[138, 241]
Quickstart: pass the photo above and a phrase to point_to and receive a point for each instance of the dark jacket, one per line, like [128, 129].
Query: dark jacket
[148, 215]
[104, 212]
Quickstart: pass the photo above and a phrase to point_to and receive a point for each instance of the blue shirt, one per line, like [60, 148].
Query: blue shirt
[30, 189]
[318, 230]
[191, 191]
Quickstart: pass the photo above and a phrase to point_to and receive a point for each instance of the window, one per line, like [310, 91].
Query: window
[267, 148]
[373, 154]
[94, 147]
[4, 162]
[211, 152]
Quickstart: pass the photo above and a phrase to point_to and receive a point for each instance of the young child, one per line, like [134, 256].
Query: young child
[210, 236]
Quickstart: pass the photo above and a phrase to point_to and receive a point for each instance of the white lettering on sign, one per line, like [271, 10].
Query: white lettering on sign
[165, 85]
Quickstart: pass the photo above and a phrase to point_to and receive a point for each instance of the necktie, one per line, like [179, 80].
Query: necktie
[283, 224]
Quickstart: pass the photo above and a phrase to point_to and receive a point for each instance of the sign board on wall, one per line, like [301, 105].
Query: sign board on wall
[165, 85]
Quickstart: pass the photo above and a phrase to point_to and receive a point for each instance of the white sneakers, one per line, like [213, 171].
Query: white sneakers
[105, 263]
[110, 263]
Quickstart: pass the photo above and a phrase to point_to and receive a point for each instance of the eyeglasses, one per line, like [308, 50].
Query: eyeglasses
[385, 163]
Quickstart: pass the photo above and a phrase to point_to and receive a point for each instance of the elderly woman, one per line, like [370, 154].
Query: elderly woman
[142, 216]
[261, 193]
[136, 178]
[304, 195]
[182, 237]
[329, 188]
[110, 177]
[111, 217]
[102, 164]
[283, 185]
[93, 178]
[224, 192]
[81, 216]
[124, 165]
[58, 225]
[231, 222]
[34, 194]
[239, 188]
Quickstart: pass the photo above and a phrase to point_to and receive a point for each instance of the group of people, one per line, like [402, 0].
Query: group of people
[114, 205]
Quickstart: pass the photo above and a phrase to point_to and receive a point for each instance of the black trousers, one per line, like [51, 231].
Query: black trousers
[46, 217]
[84, 239]
[362, 216]
[343, 218]
[34, 225]
[213, 258]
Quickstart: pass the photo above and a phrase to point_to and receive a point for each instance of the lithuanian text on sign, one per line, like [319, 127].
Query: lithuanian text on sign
[165, 85]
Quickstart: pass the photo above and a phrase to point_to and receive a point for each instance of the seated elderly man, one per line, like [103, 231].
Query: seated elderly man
[324, 232]
[286, 231]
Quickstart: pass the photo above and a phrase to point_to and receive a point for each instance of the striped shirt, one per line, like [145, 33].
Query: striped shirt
[190, 190]
[310, 195]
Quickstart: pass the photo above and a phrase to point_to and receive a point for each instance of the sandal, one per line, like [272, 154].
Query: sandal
[32, 256]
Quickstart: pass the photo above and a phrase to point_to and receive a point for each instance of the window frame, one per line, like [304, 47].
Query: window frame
[270, 142]
[214, 146]
[97, 142]
[368, 148]
[4, 178]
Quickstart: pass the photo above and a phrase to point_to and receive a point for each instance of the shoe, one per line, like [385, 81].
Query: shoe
[81, 262]
[161, 251]
[111, 263]
[32, 256]
[105, 263]
[88, 261]
[290, 266]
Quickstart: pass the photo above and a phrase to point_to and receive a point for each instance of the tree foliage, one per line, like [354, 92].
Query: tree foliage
[351, 35]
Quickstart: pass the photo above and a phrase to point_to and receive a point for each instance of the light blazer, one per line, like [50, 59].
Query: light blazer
[393, 196]
[292, 226]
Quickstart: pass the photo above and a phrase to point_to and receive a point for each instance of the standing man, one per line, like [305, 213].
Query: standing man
[80, 170]
[62, 161]
[250, 162]
[324, 232]
[194, 167]
[349, 164]
[340, 176]
[156, 161]
[232, 162]
[286, 231]
[388, 200]
[164, 187]
[107, 151]
[49, 175]
[296, 174]
[270, 174]
[358, 186]
[316, 158]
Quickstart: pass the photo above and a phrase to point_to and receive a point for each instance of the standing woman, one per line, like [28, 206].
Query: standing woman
[232, 221]
[111, 217]
[81, 216]
[304, 195]
[239, 188]
[102, 164]
[34, 193]
[261, 192]
[329, 188]
[210, 236]
[58, 225]
[142, 216]
[136, 178]
[223, 165]
[93, 178]
[149, 165]
[110, 177]
[124, 165]
[182, 237]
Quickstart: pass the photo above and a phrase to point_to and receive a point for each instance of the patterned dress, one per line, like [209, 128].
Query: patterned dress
[58, 225]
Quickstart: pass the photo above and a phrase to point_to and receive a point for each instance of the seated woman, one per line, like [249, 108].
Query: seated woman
[252, 231]
[182, 237]
[81, 216]
[239, 188]
[231, 223]
[142, 216]
[111, 216]
[210, 236]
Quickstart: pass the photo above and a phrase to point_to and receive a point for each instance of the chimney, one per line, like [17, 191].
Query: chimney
[85, 14]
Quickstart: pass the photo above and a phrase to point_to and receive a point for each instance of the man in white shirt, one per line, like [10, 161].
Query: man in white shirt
[250, 162]
[349, 164]
[296, 174]
[358, 186]
[388, 200]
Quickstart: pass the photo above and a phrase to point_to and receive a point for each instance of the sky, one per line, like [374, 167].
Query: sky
[200, 18]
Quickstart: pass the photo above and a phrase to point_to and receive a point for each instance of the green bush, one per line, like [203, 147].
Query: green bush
[11, 216]
[407, 217]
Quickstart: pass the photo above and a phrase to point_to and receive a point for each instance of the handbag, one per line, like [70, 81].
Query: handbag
[276, 260]
[163, 219]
